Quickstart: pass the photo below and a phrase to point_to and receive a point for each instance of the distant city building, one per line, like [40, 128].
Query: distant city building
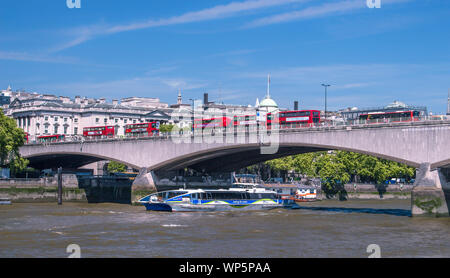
[350, 114]
[48, 114]
[5, 97]
[4, 100]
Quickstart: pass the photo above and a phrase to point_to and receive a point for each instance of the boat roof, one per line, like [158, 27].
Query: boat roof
[255, 190]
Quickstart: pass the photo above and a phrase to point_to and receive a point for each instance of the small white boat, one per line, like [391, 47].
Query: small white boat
[4, 201]
[212, 200]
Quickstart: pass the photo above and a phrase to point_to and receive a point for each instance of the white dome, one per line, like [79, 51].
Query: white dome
[268, 105]
[268, 102]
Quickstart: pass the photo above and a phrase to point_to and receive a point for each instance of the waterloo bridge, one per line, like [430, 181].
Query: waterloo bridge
[423, 145]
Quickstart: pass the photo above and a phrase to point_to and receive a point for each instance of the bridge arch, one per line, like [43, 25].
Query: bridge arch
[70, 160]
[230, 158]
[440, 164]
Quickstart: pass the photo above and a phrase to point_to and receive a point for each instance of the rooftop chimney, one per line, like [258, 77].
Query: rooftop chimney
[205, 99]
[115, 102]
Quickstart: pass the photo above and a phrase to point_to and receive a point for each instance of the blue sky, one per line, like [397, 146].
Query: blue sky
[117, 49]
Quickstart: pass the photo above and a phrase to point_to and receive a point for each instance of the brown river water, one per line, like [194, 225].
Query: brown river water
[321, 229]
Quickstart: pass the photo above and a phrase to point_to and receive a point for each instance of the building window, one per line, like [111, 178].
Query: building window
[56, 129]
[46, 118]
[56, 119]
[125, 121]
[97, 120]
[75, 120]
[105, 120]
[134, 121]
[65, 129]
[116, 121]
[65, 120]
[75, 130]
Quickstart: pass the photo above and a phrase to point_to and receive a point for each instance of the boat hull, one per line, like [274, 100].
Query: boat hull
[158, 207]
[215, 207]
[305, 200]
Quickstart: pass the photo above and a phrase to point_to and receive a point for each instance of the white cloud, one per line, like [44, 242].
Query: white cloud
[28, 57]
[86, 33]
[316, 11]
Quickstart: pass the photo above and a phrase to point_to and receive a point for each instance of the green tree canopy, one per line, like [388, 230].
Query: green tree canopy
[335, 168]
[166, 127]
[116, 167]
[11, 138]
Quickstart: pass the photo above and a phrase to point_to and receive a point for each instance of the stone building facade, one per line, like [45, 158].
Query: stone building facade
[40, 114]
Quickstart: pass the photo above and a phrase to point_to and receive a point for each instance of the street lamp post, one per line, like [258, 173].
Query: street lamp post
[326, 85]
[192, 127]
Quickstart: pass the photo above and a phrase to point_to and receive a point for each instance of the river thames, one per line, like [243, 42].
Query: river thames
[322, 229]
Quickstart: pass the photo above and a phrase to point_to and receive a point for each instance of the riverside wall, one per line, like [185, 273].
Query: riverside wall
[97, 189]
[364, 191]
[41, 189]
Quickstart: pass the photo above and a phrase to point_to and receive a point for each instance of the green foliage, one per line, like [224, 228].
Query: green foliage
[11, 139]
[337, 168]
[428, 205]
[332, 171]
[116, 167]
[166, 128]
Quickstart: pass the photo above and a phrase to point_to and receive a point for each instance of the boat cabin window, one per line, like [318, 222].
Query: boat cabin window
[171, 194]
[235, 196]
[263, 196]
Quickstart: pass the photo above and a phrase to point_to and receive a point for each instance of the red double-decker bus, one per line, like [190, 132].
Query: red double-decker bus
[389, 117]
[99, 131]
[294, 119]
[213, 123]
[142, 129]
[51, 138]
[245, 123]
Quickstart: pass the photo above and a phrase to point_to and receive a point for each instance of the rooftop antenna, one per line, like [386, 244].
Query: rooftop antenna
[268, 86]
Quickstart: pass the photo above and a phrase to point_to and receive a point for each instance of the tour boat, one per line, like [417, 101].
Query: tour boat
[305, 195]
[212, 200]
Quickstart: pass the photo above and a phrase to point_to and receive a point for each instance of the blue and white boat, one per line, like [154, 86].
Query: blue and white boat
[213, 200]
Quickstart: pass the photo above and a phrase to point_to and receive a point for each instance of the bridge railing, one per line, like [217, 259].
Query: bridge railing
[328, 123]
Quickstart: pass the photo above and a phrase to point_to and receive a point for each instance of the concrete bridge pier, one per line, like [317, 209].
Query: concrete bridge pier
[428, 197]
[143, 185]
